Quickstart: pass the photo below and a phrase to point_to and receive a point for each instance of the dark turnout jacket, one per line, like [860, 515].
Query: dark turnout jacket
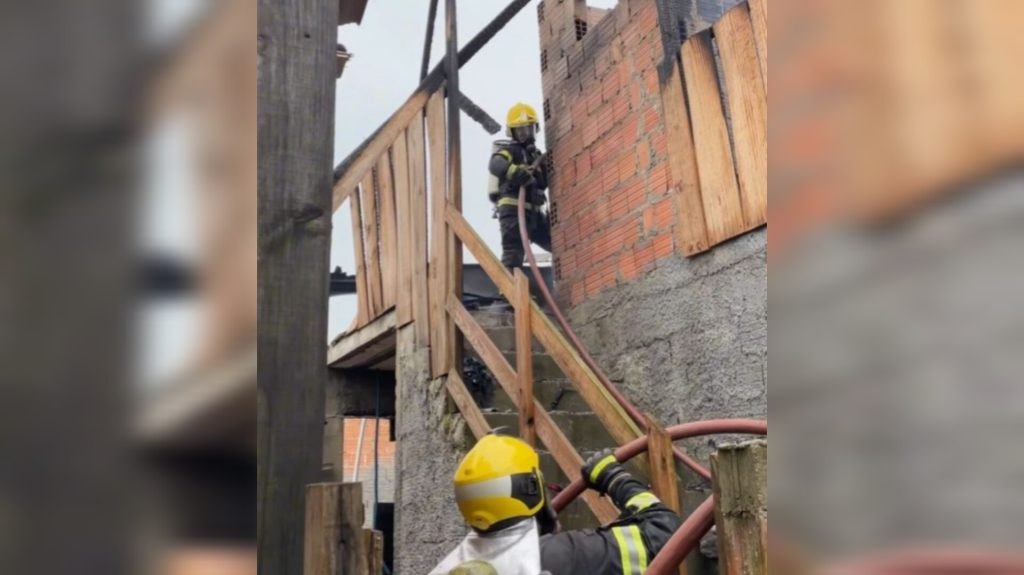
[624, 547]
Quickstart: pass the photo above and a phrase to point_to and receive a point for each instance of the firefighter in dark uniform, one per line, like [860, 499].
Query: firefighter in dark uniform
[512, 166]
[499, 485]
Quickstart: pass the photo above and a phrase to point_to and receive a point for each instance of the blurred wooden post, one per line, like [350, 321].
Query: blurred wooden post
[373, 548]
[661, 460]
[740, 475]
[524, 358]
[334, 530]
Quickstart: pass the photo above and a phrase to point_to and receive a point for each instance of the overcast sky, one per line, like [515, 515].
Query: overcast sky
[383, 72]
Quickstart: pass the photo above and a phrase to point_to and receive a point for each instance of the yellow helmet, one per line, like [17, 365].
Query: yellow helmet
[521, 115]
[499, 483]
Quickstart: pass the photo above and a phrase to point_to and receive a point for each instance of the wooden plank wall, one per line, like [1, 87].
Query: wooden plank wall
[439, 340]
[719, 166]
[418, 244]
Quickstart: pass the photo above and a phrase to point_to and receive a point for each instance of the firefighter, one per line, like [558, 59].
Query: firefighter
[514, 163]
[500, 493]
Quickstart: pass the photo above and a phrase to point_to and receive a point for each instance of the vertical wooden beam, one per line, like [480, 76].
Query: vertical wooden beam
[455, 167]
[524, 358]
[403, 297]
[740, 475]
[439, 342]
[661, 460]
[418, 229]
[691, 229]
[362, 287]
[719, 190]
[334, 530]
[372, 244]
[388, 231]
[295, 147]
[759, 17]
[373, 547]
[748, 109]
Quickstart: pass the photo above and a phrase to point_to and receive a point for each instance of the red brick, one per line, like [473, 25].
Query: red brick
[619, 206]
[627, 166]
[609, 177]
[634, 94]
[657, 179]
[620, 108]
[648, 219]
[583, 165]
[659, 145]
[643, 155]
[650, 81]
[664, 214]
[593, 99]
[652, 118]
[663, 245]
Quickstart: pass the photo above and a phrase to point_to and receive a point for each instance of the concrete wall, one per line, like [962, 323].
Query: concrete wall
[688, 340]
[430, 445]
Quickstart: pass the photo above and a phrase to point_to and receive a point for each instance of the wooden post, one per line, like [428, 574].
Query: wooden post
[295, 90]
[661, 460]
[453, 61]
[524, 358]
[334, 538]
[740, 475]
[439, 333]
[373, 548]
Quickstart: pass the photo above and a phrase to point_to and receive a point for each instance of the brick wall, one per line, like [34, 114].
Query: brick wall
[386, 457]
[612, 217]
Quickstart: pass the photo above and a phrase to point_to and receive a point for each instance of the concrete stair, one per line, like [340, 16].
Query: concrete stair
[558, 396]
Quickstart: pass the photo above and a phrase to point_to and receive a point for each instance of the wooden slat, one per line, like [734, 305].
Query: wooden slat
[467, 406]
[611, 414]
[334, 530]
[524, 358]
[439, 334]
[403, 297]
[418, 230]
[662, 463]
[719, 190]
[369, 197]
[691, 230]
[557, 443]
[362, 290]
[748, 109]
[388, 231]
[368, 155]
[759, 17]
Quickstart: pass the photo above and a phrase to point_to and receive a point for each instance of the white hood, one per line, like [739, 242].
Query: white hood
[511, 551]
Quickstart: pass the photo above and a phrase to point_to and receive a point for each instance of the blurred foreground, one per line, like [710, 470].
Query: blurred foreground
[897, 206]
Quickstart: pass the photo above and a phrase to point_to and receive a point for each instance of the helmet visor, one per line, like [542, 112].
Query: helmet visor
[524, 133]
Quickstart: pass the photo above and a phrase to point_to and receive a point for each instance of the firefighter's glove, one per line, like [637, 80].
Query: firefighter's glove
[601, 471]
[518, 174]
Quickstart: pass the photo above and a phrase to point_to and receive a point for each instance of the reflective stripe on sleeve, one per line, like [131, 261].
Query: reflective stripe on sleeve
[641, 501]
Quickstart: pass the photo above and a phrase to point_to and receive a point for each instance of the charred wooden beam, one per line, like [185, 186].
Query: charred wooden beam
[428, 39]
[489, 124]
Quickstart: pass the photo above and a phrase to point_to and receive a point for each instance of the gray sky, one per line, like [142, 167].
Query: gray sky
[387, 50]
